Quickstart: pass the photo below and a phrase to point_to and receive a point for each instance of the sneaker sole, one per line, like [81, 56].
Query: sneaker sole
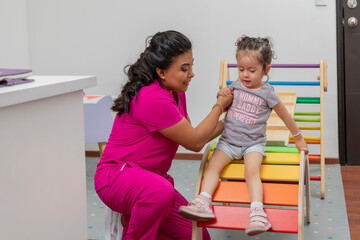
[255, 231]
[195, 216]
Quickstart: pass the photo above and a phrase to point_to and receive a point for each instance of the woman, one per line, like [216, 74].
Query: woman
[151, 122]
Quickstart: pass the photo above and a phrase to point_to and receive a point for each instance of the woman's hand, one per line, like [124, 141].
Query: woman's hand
[225, 97]
[225, 101]
[301, 144]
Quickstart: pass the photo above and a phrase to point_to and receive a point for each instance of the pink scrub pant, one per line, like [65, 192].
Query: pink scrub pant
[149, 203]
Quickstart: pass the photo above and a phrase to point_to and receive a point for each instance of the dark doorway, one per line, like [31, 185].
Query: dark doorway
[348, 43]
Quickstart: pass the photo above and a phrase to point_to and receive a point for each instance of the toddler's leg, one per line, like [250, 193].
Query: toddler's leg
[253, 162]
[258, 222]
[200, 209]
[211, 177]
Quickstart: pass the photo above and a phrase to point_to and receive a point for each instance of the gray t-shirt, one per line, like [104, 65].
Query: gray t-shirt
[245, 121]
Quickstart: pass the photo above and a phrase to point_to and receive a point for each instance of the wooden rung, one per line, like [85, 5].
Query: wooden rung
[309, 127]
[288, 173]
[308, 138]
[274, 193]
[307, 141]
[287, 83]
[312, 100]
[298, 119]
[307, 113]
[235, 217]
[314, 157]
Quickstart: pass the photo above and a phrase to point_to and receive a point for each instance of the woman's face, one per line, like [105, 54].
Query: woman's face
[178, 76]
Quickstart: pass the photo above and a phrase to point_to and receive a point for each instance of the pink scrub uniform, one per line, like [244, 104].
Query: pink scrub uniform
[131, 177]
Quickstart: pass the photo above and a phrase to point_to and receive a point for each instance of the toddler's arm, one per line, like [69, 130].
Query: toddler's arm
[282, 112]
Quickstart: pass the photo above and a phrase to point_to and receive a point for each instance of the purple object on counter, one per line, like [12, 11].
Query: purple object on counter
[14, 81]
[10, 77]
[7, 72]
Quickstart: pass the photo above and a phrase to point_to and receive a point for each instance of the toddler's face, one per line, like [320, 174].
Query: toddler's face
[250, 70]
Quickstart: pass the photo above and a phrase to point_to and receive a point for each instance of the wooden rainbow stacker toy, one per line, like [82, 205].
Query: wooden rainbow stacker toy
[285, 177]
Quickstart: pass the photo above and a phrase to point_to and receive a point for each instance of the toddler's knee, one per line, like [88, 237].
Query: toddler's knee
[213, 167]
[251, 173]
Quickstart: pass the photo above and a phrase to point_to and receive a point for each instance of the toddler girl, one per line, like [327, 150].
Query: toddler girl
[244, 134]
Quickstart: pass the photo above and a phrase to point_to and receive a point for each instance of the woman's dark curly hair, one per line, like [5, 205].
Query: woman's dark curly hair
[162, 50]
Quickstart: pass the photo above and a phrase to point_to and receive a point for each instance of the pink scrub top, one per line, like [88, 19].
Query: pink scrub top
[135, 138]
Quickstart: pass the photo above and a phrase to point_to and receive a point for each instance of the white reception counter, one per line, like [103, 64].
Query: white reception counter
[42, 160]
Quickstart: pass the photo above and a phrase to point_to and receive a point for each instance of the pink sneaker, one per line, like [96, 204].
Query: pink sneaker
[199, 209]
[258, 222]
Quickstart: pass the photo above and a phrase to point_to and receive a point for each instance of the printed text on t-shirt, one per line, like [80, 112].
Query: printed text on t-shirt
[245, 107]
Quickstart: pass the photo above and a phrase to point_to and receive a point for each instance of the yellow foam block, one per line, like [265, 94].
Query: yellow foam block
[282, 158]
[267, 172]
[279, 158]
[276, 158]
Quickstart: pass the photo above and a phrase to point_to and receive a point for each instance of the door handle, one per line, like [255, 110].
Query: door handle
[352, 3]
[352, 22]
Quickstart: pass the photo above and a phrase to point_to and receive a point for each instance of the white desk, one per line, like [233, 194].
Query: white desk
[42, 160]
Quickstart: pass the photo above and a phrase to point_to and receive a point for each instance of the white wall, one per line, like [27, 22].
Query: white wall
[14, 50]
[86, 37]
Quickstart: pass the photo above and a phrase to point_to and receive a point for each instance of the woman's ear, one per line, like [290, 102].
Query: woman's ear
[160, 73]
[267, 69]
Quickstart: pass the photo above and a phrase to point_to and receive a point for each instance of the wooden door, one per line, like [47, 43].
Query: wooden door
[348, 16]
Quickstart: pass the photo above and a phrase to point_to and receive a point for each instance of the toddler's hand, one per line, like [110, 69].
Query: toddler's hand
[225, 92]
[301, 145]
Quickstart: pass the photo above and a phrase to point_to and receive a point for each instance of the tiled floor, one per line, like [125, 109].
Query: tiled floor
[328, 216]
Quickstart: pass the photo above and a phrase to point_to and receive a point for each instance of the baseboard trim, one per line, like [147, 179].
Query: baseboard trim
[328, 160]
[198, 156]
[188, 156]
[92, 154]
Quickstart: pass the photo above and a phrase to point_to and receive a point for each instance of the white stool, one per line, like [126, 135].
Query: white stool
[98, 119]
